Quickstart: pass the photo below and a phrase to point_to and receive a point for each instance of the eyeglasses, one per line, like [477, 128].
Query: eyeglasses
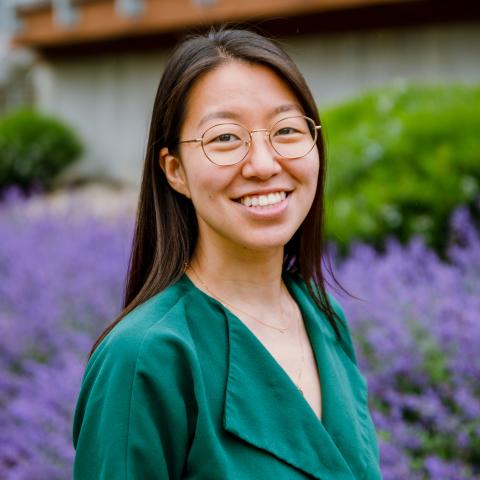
[229, 143]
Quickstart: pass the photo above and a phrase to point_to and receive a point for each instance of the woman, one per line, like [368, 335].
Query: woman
[229, 360]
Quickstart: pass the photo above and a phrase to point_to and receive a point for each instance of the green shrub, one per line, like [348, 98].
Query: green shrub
[34, 149]
[400, 160]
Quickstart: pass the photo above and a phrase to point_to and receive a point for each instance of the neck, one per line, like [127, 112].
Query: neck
[252, 279]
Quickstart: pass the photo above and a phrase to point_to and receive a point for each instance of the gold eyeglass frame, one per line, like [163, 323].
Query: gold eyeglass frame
[267, 134]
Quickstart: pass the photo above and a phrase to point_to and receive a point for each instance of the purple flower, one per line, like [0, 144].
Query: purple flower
[415, 330]
[417, 336]
[61, 277]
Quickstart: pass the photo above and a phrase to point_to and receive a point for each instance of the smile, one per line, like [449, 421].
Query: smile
[263, 200]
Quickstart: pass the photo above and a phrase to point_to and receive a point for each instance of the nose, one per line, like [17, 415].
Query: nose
[262, 160]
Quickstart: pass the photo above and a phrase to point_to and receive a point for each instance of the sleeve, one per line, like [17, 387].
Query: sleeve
[135, 411]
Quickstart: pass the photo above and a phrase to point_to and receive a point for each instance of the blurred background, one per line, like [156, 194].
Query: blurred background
[397, 84]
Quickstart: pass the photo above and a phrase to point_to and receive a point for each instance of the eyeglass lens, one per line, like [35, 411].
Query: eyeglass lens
[228, 143]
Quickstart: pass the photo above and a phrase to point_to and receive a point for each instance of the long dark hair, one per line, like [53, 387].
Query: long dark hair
[166, 226]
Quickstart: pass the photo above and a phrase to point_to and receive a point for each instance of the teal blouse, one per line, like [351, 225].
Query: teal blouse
[182, 389]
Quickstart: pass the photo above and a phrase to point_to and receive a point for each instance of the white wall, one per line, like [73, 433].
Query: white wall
[4, 41]
[341, 66]
[109, 99]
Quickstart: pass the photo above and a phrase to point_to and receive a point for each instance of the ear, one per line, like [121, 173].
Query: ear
[174, 172]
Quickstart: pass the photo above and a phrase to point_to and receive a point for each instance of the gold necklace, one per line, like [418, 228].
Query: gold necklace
[280, 329]
[221, 300]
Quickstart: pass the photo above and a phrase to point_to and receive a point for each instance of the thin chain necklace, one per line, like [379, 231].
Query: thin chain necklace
[280, 329]
[298, 383]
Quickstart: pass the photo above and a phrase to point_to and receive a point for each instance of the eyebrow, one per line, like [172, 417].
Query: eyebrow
[225, 114]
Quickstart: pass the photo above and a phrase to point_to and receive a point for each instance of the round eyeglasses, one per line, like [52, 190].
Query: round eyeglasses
[229, 143]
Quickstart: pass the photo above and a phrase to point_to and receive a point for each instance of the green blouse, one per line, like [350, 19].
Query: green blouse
[182, 389]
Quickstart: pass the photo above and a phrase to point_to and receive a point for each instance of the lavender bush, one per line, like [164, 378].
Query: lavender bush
[61, 278]
[417, 333]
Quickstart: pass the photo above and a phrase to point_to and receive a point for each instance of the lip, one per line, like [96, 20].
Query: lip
[268, 212]
[263, 192]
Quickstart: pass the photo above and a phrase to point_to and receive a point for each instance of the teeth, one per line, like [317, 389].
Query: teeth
[263, 200]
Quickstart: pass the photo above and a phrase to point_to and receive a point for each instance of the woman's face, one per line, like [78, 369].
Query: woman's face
[254, 96]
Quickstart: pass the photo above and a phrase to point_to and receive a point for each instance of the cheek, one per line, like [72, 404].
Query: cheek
[316, 161]
[207, 182]
[309, 171]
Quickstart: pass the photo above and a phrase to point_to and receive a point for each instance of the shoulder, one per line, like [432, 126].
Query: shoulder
[159, 327]
[134, 391]
[149, 346]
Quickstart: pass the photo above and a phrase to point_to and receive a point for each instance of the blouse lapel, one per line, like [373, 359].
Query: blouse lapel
[264, 408]
[345, 413]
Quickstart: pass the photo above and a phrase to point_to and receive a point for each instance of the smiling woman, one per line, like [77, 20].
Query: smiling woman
[229, 360]
[247, 166]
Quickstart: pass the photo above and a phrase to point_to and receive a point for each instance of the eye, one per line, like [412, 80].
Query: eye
[225, 138]
[285, 131]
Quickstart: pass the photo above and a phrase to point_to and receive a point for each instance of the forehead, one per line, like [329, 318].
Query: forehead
[247, 92]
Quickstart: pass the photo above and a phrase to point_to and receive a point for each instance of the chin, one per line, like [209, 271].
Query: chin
[266, 244]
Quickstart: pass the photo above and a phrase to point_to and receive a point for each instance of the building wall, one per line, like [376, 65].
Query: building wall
[343, 65]
[108, 99]
[16, 88]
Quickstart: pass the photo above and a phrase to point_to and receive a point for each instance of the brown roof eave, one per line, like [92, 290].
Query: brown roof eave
[98, 19]
[42, 5]
[105, 30]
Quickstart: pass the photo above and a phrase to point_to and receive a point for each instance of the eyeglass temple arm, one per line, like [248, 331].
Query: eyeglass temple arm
[190, 141]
